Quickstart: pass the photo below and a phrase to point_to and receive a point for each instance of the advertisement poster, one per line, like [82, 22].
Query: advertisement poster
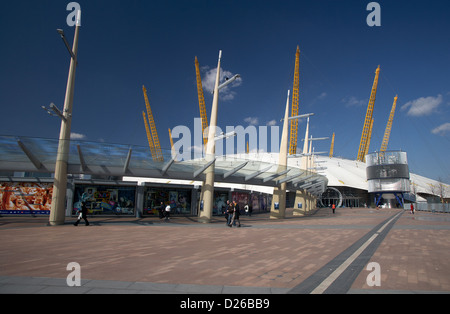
[255, 201]
[220, 202]
[29, 198]
[179, 201]
[240, 198]
[105, 200]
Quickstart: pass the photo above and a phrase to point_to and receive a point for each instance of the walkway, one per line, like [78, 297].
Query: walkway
[322, 253]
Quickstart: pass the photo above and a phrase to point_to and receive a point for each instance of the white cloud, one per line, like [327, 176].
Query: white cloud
[209, 80]
[251, 120]
[322, 96]
[422, 106]
[77, 136]
[442, 129]
[271, 122]
[352, 101]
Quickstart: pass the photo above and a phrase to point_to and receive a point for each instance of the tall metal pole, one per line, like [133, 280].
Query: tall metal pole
[279, 193]
[57, 212]
[208, 186]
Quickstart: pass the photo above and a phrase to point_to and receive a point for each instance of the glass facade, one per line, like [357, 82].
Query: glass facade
[387, 171]
[386, 158]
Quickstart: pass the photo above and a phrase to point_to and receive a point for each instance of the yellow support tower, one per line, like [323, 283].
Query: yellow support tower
[149, 137]
[151, 121]
[201, 102]
[363, 146]
[368, 140]
[387, 133]
[171, 139]
[294, 110]
[332, 146]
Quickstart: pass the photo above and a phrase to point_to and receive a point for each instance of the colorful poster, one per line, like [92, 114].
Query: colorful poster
[220, 202]
[105, 199]
[255, 202]
[241, 198]
[25, 198]
[179, 201]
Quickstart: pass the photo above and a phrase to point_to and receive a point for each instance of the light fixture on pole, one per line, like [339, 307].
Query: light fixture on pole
[227, 81]
[56, 112]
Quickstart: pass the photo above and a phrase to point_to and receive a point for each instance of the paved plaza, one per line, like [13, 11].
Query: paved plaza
[319, 253]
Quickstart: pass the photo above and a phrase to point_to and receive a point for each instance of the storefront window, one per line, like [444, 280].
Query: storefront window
[220, 202]
[105, 200]
[241, 198]
[178, 199]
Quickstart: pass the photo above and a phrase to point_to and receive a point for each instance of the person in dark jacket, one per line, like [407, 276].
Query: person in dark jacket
[230, 211]
[227, 213]
[83, 215]
[236, 214]
[161, 210]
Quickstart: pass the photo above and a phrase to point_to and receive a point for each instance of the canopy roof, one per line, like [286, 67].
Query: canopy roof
[104, 159]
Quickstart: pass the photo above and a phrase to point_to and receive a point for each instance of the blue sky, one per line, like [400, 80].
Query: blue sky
[126, 44]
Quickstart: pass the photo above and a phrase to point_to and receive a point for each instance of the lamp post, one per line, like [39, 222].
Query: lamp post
[208, 186]
[57, 212]
[279, 193]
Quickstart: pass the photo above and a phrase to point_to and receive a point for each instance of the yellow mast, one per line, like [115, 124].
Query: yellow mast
[387, 133]
[171, 139]
[149, 137]
[294, 110]
[151, 121]
[332, 146]
[201, 102]
[363, 145]
[368, 140]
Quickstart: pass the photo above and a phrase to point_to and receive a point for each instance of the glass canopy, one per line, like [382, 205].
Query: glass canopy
[95, 158]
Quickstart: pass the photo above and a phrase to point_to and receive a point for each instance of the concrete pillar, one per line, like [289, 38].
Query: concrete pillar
[140, 195]
[300, 198]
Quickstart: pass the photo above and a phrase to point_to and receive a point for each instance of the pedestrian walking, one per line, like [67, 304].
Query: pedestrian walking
[236, 214]
[167, 212]
[82, 215]
[230, 211]
[412, 208]
[226, 213]
[333, 207]
[161, 210]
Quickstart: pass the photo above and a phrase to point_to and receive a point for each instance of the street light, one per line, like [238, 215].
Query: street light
[61, 32]
[227, 81]
[207, 193]
[56, 112]
[225, 135]
[57, 212]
